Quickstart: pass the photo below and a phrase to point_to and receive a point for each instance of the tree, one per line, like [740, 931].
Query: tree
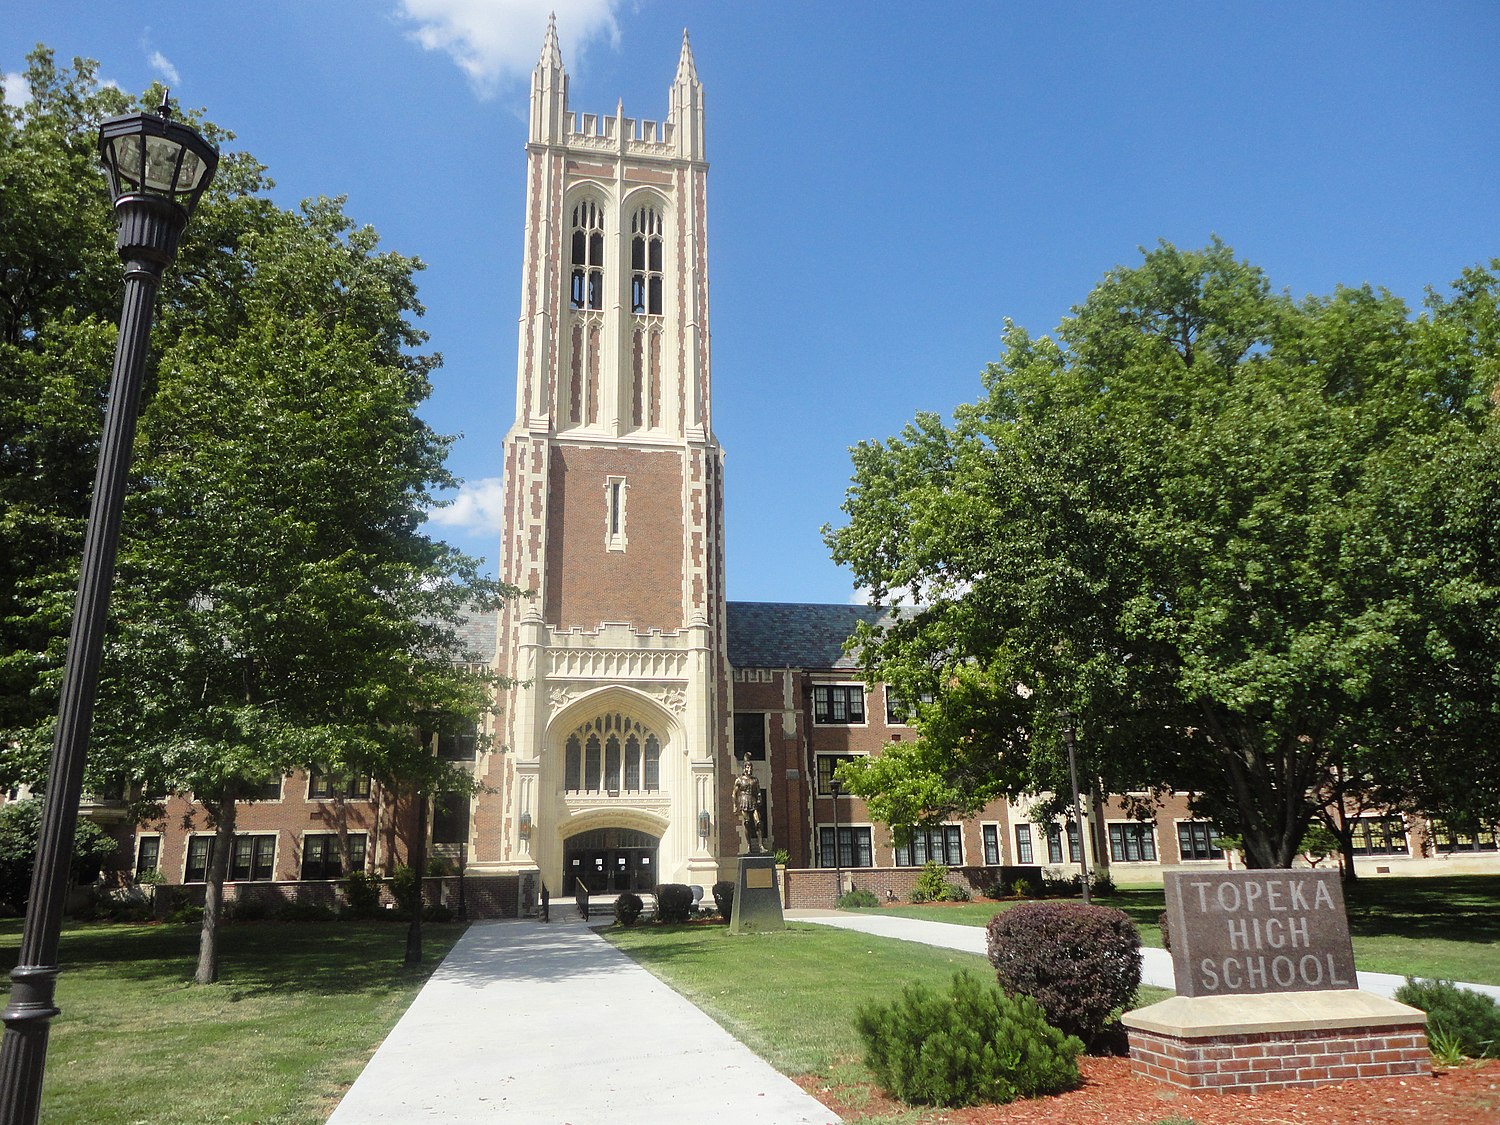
[277, 606]
[1164, 522]
[20, 824]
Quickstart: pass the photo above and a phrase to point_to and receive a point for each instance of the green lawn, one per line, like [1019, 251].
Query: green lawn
[1431, 927]
[791, 996]
[298, 1012]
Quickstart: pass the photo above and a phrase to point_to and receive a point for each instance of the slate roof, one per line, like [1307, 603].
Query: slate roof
[481, 633]
[795, 634]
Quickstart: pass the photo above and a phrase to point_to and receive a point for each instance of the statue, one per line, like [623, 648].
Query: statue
[747, 803]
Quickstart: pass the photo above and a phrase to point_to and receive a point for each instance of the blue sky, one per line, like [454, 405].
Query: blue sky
[889, 181]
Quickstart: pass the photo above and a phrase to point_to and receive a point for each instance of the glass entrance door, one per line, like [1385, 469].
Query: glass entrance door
[610, 860]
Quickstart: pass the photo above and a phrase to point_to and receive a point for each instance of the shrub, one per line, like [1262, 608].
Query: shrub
[185, 914]
[859, 898]
[248, 910]
[1080, 963]
[724, 898]
[955, 892]
[674, 902]
[628, 908]
[1166, 936]
[783, 857]
[972, 1045]
[404, 890]
[930, 882]
[916, 896]
[20, 825]
[1102, 883]
[1019, 889]
[1057, 885]
[305, 912]
[1459, 1017]
[362, 892]
[437, 912]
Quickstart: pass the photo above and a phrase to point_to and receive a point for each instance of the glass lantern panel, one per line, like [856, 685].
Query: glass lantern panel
[190, 175]
[161, 164]
[127, 162]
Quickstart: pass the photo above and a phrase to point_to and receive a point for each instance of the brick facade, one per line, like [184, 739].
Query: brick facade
[1254, 1063]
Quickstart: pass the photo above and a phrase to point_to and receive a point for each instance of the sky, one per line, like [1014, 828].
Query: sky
[889, 182]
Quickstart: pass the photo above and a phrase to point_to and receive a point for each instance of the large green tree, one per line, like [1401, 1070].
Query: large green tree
[277, 605]
[1220, 526]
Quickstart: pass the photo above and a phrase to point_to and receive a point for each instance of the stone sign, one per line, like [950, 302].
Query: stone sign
[1258, 931]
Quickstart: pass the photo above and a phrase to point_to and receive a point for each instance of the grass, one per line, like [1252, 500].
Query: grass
[790, 996]
[298, 1011]
[1445, 926]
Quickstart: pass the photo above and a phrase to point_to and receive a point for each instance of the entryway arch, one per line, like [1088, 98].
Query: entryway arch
[611, 860]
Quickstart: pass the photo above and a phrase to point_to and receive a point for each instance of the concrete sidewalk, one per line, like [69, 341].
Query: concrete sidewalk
[1156, 964]
[550, 1024]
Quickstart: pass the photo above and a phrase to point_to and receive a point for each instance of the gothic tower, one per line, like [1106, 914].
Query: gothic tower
[612, 752]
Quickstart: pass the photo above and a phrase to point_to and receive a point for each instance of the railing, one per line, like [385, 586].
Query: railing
[582, 898]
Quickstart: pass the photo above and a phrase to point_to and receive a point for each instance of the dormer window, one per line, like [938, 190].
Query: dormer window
[588, 256]
[645, 262]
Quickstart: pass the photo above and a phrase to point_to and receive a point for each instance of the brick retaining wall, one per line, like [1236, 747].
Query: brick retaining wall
[1253, 1062]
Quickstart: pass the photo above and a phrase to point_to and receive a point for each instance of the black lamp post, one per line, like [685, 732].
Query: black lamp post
[158, 169]
[835, 790]
[1069, 737]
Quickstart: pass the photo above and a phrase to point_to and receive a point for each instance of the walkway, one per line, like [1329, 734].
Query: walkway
[551, 1025]
[1156, 964]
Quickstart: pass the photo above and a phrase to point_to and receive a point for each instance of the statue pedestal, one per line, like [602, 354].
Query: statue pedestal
[757, 902]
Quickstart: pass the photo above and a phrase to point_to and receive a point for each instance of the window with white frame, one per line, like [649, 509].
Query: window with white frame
[326, 786]
[1445, 839]
[460, 744]
[1024, 854]
[320, 855]
[1198, 839]
[899, 713]
[1132, 841]
[943, 844]
[450, 818]
[147, 855]
[615, 492]
[1380, 835]
[854, 847]
[645, 262]
[827, 764]
[587, 288]
[991, 836]
[839, 704]
[252, 859]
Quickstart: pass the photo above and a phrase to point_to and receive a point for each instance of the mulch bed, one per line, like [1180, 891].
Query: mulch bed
[1111, 1095]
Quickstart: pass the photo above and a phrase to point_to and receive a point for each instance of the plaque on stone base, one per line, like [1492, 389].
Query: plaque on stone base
[757, 902]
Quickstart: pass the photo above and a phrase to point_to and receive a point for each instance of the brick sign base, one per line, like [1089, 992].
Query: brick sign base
[1249, 1044]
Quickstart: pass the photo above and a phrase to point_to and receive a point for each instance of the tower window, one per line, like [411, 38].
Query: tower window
[614, 526]
[588, 256]
[645, 262]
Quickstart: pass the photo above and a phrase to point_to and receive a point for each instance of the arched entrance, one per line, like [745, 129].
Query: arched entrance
[610, 860]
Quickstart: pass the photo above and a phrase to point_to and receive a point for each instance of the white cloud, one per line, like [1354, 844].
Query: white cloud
[477, 508]
[17, 89]
[495, 41]
[163, 66]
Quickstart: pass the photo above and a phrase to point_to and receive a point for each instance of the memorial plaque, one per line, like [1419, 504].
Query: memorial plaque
[757, 902]
[1258, 931]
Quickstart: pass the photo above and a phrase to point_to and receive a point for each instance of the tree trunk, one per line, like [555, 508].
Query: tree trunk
[417, 857]
[213, 894]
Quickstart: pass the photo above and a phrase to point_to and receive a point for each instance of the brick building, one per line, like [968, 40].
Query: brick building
[640, 689]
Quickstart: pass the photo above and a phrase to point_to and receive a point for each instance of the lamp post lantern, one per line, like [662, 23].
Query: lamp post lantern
[1069, 737]
[158, 169]
[835, 790]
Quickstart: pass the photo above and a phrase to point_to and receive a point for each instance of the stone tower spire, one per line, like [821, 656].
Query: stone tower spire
[686, 100]
[549, 89]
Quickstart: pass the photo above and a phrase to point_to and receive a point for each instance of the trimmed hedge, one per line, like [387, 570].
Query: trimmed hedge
[628, 908]
[724, 898]
[972, 1045]
[674, 902]
[1080, 963]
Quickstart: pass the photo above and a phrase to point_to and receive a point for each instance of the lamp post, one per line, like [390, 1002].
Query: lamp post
[835, 790]
[1069, 737]
[158, 169]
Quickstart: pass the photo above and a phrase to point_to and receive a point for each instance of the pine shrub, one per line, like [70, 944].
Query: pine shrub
[674, 902]
[724, 898]
[628, 908]
[1469, 1020]
[860, 898]
[955, 892]
[1080, 963]
[931, 881]
[970, 1046]
[362, 892]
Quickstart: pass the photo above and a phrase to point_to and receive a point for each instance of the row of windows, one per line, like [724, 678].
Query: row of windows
[253, 858]
[1129, 841]
[611, 764]
[586, 286]
[844, 705]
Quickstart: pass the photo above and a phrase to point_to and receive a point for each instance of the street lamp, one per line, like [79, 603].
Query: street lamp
[158, 169]
[835, 790]
[1069, 737]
